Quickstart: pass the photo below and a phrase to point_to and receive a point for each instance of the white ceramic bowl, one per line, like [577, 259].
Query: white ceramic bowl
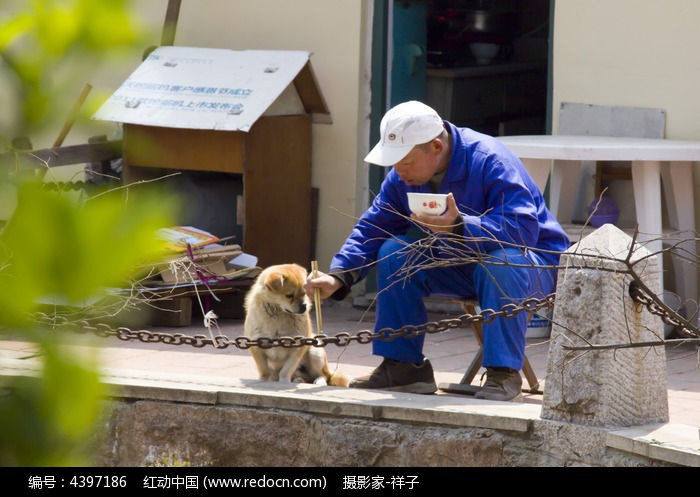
[484, 52]
[427, 203]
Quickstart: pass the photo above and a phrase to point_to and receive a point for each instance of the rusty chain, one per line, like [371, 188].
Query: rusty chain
[640, 297]
[341, 339]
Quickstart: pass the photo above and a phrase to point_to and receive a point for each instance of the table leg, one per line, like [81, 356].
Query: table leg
[677, 180]
[539, 169]
[646, 180]
[563, 188]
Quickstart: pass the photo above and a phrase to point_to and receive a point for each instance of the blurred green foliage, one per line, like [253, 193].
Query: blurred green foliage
[48, 419]
[42, 42]
[57, 247]
[62, 250]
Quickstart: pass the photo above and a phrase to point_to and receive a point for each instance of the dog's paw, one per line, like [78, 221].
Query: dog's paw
[320, 381]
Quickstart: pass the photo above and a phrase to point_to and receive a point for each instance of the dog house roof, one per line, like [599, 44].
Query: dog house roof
[212, 88]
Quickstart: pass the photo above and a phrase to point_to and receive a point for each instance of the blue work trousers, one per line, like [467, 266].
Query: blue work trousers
[403, 282]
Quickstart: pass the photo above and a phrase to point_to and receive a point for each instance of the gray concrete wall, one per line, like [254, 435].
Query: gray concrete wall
[164, 423]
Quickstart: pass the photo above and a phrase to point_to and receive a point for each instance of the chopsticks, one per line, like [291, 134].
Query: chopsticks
[317, 298]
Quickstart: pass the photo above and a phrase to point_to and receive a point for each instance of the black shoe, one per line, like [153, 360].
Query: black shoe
[399, 376]
[501, 384]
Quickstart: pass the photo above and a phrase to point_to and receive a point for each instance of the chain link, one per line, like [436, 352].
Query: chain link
[341, 339]
[640, 297]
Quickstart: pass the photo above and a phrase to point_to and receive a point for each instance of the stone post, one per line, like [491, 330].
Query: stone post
[616, 387]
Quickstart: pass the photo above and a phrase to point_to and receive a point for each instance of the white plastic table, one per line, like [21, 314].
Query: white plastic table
[653, 160]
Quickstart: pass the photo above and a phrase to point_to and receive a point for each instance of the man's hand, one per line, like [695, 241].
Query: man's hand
[443, 223]
[326, 283]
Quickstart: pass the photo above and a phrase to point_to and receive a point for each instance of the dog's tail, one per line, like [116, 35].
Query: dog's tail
[337, 379]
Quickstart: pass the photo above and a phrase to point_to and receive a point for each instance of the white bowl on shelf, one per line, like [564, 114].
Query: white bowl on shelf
[427, 203]
[484, 52]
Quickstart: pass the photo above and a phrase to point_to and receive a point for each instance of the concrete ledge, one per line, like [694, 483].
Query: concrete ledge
[676, 443]
[334, 401]
[663, 443]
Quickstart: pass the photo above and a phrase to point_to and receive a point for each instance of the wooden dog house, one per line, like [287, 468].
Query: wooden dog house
[245, 114]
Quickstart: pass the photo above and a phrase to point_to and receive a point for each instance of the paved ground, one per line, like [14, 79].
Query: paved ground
[449, 351]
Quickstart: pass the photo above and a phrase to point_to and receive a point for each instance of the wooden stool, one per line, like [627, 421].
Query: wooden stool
[465, 386]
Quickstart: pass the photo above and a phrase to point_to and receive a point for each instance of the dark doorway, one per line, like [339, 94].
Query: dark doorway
[493, 56]
[487, 63]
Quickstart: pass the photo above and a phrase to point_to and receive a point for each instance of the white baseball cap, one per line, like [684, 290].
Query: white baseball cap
[403, 127]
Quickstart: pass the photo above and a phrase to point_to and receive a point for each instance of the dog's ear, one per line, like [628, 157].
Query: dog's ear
[275, 282]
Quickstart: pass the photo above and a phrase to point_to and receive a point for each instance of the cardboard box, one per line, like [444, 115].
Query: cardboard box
[210, 261]
[215, 89]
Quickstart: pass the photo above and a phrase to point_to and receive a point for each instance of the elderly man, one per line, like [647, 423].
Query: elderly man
[496, 242]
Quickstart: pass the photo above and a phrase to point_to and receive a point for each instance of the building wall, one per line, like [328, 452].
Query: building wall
[630, 52]
[638, 53]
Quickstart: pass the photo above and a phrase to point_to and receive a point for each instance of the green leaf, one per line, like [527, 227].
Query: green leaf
[14, 28]
[60, 249]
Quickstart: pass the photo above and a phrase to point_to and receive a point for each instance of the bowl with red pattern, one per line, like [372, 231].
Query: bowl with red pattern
[427, 203]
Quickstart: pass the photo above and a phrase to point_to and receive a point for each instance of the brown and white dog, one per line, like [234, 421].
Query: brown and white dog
[277, 306]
